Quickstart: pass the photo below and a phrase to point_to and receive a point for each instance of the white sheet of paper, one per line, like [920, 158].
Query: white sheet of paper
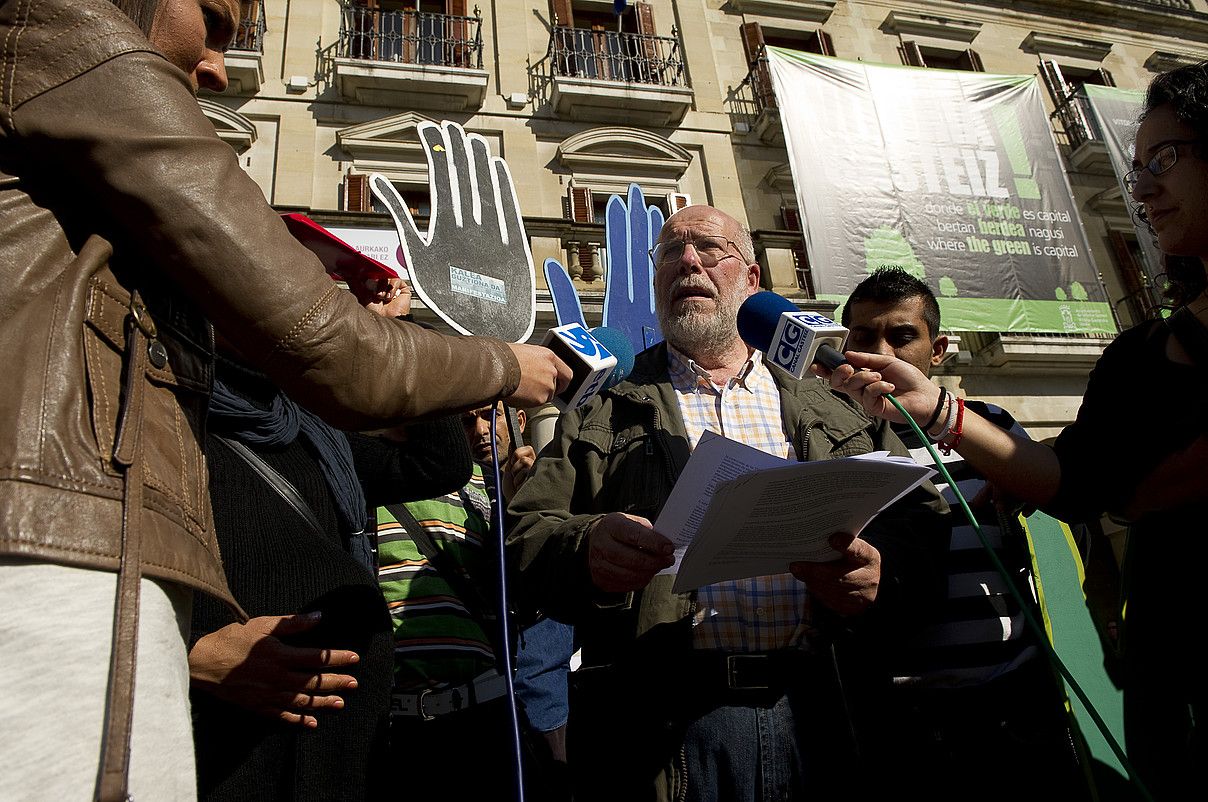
[715, 459]
[758, 520]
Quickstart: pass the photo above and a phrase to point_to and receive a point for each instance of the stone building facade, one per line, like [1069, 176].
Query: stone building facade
[671, 95]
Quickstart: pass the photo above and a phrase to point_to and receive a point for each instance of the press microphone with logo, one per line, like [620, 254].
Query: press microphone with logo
[593, 364]
[791, 339]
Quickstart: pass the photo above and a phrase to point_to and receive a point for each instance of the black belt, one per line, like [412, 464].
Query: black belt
[754, 671]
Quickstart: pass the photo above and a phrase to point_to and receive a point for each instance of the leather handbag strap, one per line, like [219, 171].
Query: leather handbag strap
[277, 482]
[113, 785]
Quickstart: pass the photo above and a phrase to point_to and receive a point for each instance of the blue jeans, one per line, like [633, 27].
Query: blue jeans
[774, 751]
[542, 666]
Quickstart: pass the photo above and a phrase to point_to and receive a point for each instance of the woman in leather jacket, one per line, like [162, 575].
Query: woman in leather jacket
[128, 227]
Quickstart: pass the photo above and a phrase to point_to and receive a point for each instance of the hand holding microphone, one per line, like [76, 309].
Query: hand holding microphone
[598, 359]
[542, 376]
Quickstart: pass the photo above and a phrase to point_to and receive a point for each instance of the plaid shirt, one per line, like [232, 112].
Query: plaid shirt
[762, 613]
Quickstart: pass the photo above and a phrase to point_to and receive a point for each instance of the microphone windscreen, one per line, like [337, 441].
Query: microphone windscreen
[758, 317]
[616, 342]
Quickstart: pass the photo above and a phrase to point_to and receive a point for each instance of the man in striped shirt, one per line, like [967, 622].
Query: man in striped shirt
[730, 692]
[976, 711]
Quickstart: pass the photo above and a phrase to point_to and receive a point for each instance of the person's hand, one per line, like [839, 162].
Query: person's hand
[542, 376]
[631, 230]
[516, 469]
[848, 585]
[624, 553]
[390, 298]
[473, 266]
[248, 665]
[868, 377]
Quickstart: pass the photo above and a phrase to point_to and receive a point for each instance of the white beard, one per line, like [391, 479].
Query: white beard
[700, 332]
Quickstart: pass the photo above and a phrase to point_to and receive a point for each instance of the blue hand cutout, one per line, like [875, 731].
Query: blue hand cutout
[630, 231]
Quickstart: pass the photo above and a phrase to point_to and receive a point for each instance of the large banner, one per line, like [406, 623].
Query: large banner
[1115, 112]
[953, 176]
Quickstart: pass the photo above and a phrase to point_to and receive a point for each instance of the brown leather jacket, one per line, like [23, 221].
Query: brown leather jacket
[112, 182]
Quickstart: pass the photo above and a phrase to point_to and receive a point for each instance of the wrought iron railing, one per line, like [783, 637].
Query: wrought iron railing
[250, 34]
[410, 37]
[753, 97]
[633, 58]
[1076, 121]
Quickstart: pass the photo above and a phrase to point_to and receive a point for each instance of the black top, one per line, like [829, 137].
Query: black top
[1140, 408]
[276, 565]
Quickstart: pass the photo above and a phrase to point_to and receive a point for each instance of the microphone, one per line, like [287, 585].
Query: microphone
[615, 341]
[591, 363]
[792, 339]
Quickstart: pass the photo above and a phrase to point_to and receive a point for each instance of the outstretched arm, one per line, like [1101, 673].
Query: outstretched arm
[1022, 468]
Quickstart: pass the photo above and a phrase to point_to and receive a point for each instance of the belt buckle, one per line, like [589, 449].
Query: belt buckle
[419, 705]
[734, 663]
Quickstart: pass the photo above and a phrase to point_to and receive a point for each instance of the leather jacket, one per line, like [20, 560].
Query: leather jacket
[115, 188]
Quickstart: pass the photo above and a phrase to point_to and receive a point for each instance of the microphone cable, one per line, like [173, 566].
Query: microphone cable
[1025, 607]
[505, 617]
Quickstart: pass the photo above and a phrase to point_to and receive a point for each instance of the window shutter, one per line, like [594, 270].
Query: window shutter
[1050, 71]
[761, 78]
[1131, 276]
[826, 46]
[458, 48]
[1106, 77]
[580, 204]
[563, 15]
[356, 193]
[677, 201]
[790, 216]
[752, 42]
[973, 61]
[912, 56]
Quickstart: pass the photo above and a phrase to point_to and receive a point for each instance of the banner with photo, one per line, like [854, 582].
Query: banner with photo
[1115, 112]
[953, 176]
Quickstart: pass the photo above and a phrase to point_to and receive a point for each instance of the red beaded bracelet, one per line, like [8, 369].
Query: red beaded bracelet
[958, 430]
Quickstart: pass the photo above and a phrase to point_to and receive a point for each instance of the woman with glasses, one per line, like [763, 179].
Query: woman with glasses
[1138, 448]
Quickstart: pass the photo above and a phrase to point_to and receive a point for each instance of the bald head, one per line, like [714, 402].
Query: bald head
[698, 289]
[736, 231]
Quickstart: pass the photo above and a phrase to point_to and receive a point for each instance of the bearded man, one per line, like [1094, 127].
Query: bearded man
[739, 690]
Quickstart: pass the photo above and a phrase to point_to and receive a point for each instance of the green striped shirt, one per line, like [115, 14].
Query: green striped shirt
[437, 641]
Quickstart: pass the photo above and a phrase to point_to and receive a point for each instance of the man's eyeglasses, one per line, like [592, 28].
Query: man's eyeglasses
[1166, 157]
[709, 250]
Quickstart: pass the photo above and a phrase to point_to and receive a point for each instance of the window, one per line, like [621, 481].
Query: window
[1126, 253]
[412, 31]
[941, 58]
[755, 40]
[1070, 104]
[591, 42]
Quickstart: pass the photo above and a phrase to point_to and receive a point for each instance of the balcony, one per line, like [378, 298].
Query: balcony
[753, 104]
[610, 76]
[1075, 126]
[245, 59]
[421, 60]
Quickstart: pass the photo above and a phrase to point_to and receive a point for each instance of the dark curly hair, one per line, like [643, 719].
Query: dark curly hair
[1185, 91]
[1185, 279]
[894, 285]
